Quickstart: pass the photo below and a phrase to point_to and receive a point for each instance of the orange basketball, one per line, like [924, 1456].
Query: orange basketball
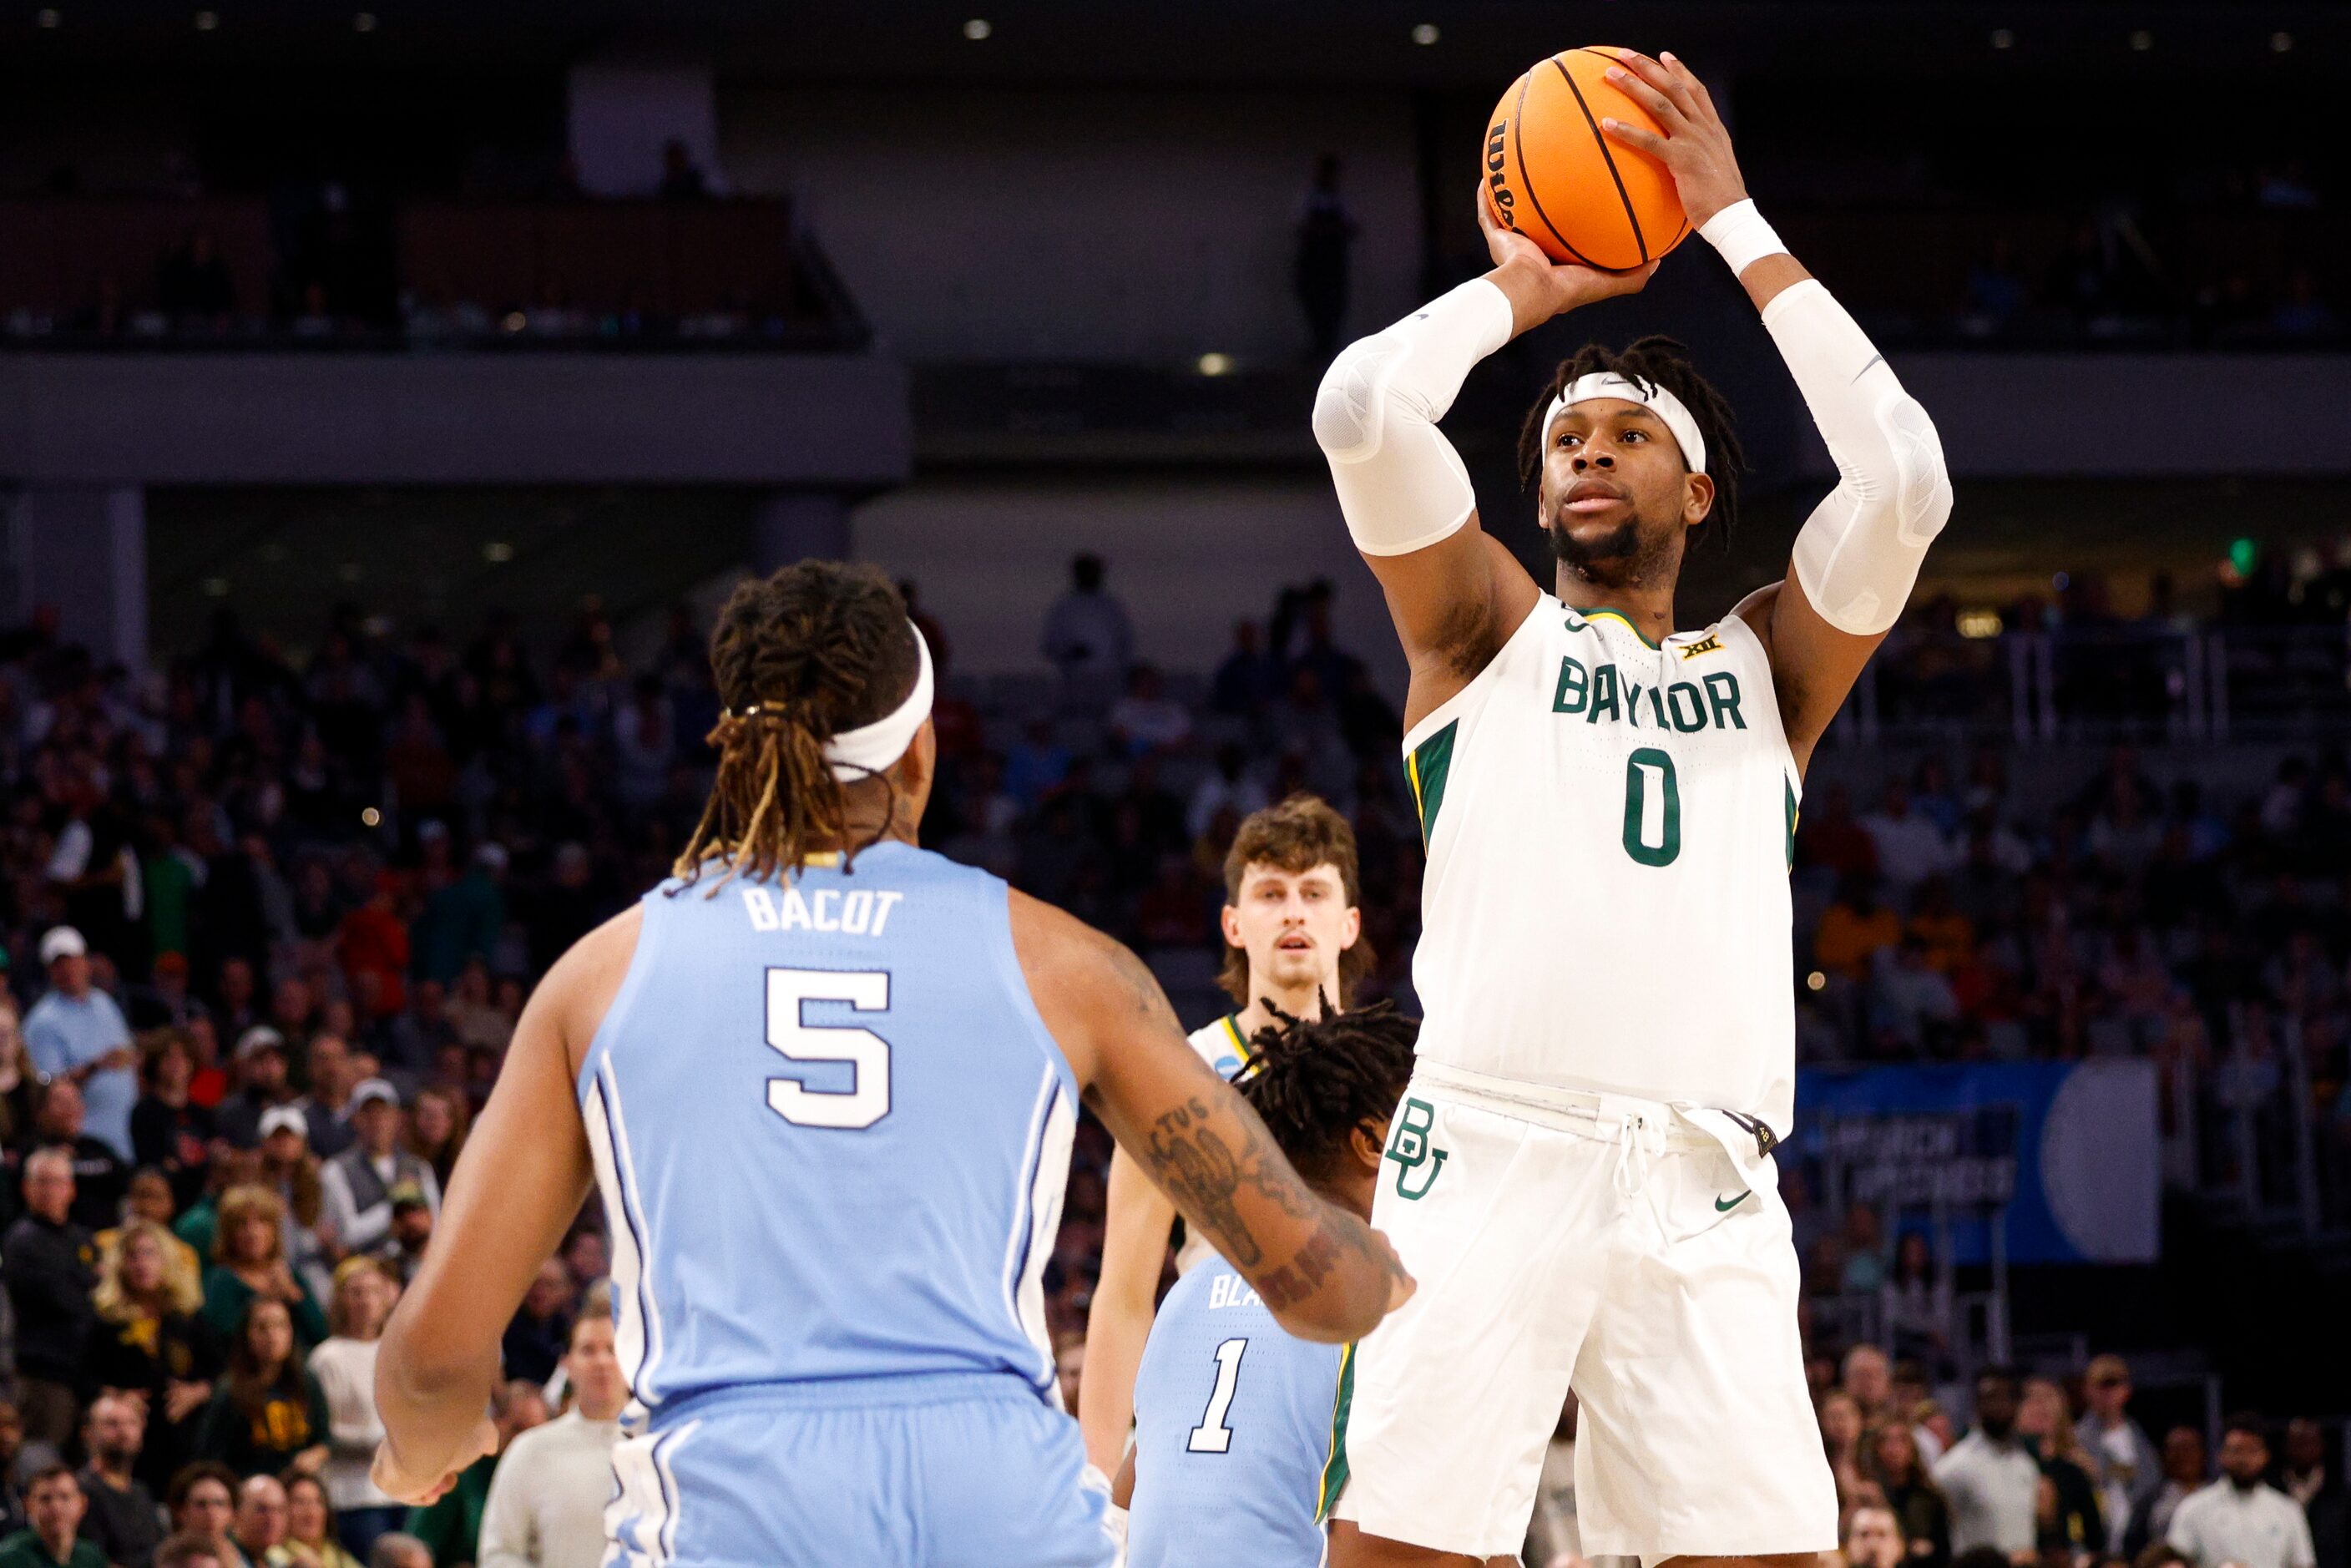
[1552, 175]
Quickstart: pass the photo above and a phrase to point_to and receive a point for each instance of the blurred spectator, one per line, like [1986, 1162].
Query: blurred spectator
[149, 1344]
[437, 1127]
[1841, 1435]
[1990, 1477]
[1247, 679]
[344, 1368]
[259, 1532]
[122, 1519]
[1070, 1365]
[2240, 1519]
[75, 1032]
[1145, 719]
[185, 1551]
[257, 1071]
[1087, 635]
[1917, 1503]
[290, 1170]
[2184, 1474]
[452, 1527]
[1911, 847]
[2072, 1513]
[54, 1507]
[1873, 1537]
[400, 1551]
[541, 1330]
[2304, 1477]
[411, 1228]
[1326, 232]
[20, 1080]
[681, 179]
[202, 1500]
[358, 1184]
[310, 1524]
[327, 1108]
[2121, 1457]
[45, 1261]
[250, 1262]
[1856, 928]
[269, 1413]
[169, 1131]
[194, 284]
[100, 1175]
[545, 1506]
[1867, 1377]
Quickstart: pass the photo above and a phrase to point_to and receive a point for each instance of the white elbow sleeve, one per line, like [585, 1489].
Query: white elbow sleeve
[1858, 555]
[1401, 485]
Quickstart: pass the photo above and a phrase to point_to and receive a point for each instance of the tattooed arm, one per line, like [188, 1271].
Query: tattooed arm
[1324, 1273]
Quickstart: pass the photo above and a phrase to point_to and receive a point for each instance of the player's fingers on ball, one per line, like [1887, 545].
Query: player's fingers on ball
[1638, 137]
[1642, 93]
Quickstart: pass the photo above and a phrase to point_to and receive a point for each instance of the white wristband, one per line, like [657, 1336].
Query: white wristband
[1742, 236]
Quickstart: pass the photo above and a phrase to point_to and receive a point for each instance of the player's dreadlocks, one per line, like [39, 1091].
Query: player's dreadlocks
[818, 648]
[1315, 1081]
[1657, 361]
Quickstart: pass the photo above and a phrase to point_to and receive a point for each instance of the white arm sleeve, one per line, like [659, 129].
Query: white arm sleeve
[1857, 555]
[1401, 485]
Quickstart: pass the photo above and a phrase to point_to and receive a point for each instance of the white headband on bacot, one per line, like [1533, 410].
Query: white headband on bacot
[1655, 398]
[871, 748]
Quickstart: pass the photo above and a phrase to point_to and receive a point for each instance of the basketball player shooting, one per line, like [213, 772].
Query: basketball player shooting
[1580, 1172]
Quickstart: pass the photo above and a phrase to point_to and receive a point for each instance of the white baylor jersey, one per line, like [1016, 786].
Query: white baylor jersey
[1610, 826]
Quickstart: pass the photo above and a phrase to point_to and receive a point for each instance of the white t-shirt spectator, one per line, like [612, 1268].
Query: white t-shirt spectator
[1148, 723]
[345, 1369]
[1994, 1491]
[546, 1507]
[1088, 638]
[1910, 848]
[2260, 1528]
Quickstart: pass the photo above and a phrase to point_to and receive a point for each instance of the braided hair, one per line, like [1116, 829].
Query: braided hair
[816, 649]
[1655, 361]
[1315, 1081]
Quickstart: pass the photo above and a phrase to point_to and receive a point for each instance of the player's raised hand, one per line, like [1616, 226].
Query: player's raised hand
[1539, 287]
[1696, 146]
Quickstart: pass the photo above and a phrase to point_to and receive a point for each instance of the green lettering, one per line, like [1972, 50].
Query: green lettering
[1723, 690]
[1633, 690]
[1604, 693]
[1657, 707]
[1574, 686]
[1696, 719]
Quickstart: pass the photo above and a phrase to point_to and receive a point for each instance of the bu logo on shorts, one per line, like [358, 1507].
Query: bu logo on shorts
[1409, 1148]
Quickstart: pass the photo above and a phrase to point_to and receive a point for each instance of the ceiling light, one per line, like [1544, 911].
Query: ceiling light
[978, 28]
[206, 21]
[1425, 34]
[2002, 38]
[1214, 364]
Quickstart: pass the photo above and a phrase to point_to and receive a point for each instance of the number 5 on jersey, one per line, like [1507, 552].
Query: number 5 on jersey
[867, 1099]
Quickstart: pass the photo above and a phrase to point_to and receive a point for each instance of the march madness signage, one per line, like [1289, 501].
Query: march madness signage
[2065, 1154]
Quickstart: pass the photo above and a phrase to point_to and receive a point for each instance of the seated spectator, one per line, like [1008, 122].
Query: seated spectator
[402, 1251]
[1917, 1503]
[1855, 929]
[259, 1530]
[151, 1344]
[169, 1131]
[183, 1550]
[1146, 719]
[451, 1529]
[344, 1366]
[541, 1330]
[398, 1550]
[289, 1169]
[2043, 1422]
[1246, 680]
[326, 1108]
[437, 1125]
[201, 1502]
[1910, 846]
[1869, 1377]
[228, 1166]
[20, 1080]
[54, 1506]
[1840, 1432]
[269, 1413]
[150, 1198]
[2241, 1519]
[258, 1084]
[310, 1524]
[546, 1505]
[357, 1185]
[249, 1260]
[2122, 1460]
[43, 1261]
[1872, 1537]
[100, 1175]
[2304, 1477]
[1087, 635]
[1990, 1477]
[122, 1519]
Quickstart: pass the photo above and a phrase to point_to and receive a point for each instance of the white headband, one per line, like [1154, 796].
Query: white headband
[870, 748]
[1655, 398]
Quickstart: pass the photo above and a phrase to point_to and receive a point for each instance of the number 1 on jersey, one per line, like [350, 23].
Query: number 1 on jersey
[1212, 1435]
[867, 1100]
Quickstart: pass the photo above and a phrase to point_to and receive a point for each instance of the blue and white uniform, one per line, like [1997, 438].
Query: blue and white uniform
[831, 1134]
[1236, 1432]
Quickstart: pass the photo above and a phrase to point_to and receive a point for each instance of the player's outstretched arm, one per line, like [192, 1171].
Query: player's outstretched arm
[519, 1184]
[1858, 555]
[1134, 1249]
[1324, 1273]
[1455, 593]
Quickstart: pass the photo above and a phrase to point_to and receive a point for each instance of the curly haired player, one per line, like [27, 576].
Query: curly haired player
[1583, 1164]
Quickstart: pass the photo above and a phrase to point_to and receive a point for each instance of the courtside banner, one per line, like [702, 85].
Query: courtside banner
[2066, 1152]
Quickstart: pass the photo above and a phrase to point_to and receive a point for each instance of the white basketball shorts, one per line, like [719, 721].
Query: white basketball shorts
[1635, 1252]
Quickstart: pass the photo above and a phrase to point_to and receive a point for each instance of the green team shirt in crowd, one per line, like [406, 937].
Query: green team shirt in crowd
[451, 1527]
[24, 1550]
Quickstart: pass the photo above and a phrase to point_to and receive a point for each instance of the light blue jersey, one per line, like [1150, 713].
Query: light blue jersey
[1236, 1424]
[831, 1134]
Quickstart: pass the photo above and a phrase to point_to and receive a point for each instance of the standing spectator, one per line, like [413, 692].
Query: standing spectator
[2324, 1500]
[1917, 1503]
[151, 1344]
[1990, 1478]
[75, 1031]
[437, 1125]
[250, 1261]
[1910, 848]
[121, 1520]
[536, 1339]
[54, 1506]
[202, 1500]
[681, 179]
[2240, 1519]
[289, 1169]
[546, 1507]
[451, 1527]
[269, 1413]
[1146, 719]
[2183, 1477]
[1841, 1431]
[326, 1108]
[20, 1080]
[45, 1261]
[226, 1167]
[310, 1524]
[357, 1185]
[345, 1368]
[2122, 1460]
[1088, 636]
[1326, 231]
[1873, 1537]
[99, 1176]
[402, 1251]
[259, 1532]
[2043, 1422]
[168, 1129]
[1868, 1376]
[258, 1067]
